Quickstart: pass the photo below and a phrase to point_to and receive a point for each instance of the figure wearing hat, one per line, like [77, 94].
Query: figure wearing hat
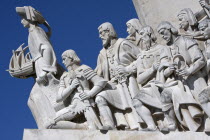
[38, 41]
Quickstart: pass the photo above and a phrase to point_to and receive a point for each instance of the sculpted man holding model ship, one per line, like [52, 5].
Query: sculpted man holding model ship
[137, 84]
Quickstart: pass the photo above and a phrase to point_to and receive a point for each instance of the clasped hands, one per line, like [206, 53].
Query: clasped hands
[74, 84]
[180, 72]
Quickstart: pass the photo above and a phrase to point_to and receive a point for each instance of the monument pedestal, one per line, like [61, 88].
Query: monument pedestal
[60, 134]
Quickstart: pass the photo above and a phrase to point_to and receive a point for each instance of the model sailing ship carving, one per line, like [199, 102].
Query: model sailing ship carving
[21, 64]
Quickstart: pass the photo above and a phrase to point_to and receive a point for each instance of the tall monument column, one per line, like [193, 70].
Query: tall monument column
[152, 12]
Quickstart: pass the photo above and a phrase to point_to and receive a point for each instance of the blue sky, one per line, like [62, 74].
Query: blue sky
[74, 26]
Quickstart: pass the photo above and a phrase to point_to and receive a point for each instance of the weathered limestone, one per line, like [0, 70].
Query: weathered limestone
[138, 83]
[152, 12]
[33, 134]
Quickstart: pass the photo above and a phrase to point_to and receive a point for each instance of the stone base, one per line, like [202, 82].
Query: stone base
[58, 134]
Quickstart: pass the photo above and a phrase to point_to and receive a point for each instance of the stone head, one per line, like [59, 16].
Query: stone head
[167, 30]
[133, 26]
[25, 23]
[147, 35]
[186, 19]
[106, 33]
[203, 24]
[29, 16]
[69, 58]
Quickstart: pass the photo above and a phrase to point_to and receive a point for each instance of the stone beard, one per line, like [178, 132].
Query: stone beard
[138, 83]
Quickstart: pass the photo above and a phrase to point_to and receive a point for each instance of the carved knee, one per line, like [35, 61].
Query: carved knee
[166, 95]
[100, 101]
[137, 103]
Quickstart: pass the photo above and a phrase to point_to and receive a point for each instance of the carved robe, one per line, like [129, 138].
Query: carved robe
[123, 53]
[207, 56]
[135, 40]
[177, 95]
[41, 51]
[195, 61]
[149, 93]
[178, 90]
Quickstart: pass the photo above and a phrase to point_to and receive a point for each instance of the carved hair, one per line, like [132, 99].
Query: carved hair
[167, 25]
[150, 32]
[33, 16]
[71, 54]
[135, 23]
[108, 26]
[187, 12]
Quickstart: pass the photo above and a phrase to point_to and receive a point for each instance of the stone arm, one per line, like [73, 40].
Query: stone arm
[130, 69]
[99, 83]
[165, 62]
[167, 72]
[202, 35]
[64, 91]
[143, 75]
[197, 59]
[98, 68]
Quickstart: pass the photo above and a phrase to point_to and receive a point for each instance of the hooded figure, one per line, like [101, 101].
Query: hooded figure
[38, 41]
[187, 19]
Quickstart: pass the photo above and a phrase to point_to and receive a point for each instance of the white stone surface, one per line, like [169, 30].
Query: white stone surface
[152, 12]
[51, 134]
[137, 80]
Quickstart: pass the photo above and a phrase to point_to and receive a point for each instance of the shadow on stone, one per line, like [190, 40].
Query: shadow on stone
[165, 132]
[207, 133]
[103, 131]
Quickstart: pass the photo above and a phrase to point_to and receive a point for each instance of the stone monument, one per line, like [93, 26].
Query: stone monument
[138, 85]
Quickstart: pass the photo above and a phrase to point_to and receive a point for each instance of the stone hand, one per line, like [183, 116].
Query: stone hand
[42, 79]
[122, 70]
[113, 80]
[184, 72]
[156, 66]
[75, 83]
[171, 68]
[84, 96]
[202, 3]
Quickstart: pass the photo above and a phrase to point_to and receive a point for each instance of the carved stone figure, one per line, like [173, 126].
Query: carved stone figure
[204, 34]
[136, 81]
[188, 21]
[41, 66]
[177, 91]
[38, 41]
[148, 77]
[194, 62]
[75, 87]
[115, 53]
[133, 29]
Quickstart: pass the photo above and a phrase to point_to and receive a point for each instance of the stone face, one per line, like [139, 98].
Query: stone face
[34, 134]
[152, 12]
[138, 84]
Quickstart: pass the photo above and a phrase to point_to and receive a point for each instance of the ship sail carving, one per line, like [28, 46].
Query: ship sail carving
[21, 64]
